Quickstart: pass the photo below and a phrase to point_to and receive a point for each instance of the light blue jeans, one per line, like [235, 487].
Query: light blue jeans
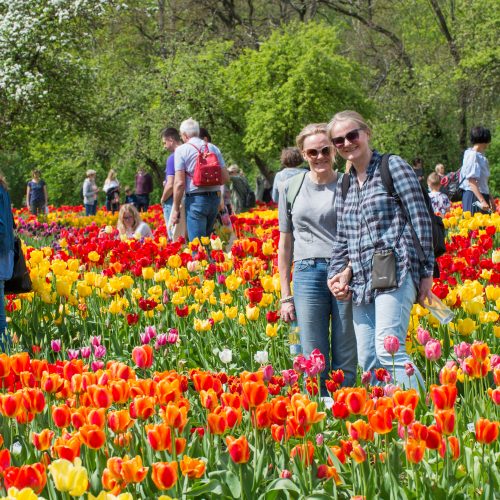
[167, 210]
[389, 314]
[324, 322]
[201, 212]
[4, 338]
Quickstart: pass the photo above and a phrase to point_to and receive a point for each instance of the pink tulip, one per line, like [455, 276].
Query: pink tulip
[409, 369]
[316, 363]
[494, 361]
[95, 340]
[144, 338]
[290, 377]
[300, 363]
[366, 378]
[268, 372]
[423, 336]
[97, 365]
[86, 351]
[433, 350]
[285, 474]
[73, 353]
[173, 335]
[391, 344]
[462, 350]
[56, 345]
[320, 439]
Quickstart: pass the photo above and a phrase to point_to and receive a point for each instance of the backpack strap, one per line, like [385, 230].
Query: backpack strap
[346, 183]
[294, 187]
[388, 183]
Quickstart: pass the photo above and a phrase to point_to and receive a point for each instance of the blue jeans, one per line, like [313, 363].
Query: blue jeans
[91, 208]
[319, 314]
[4, 338]
[167, 210]
[389, 314]
[201, 212]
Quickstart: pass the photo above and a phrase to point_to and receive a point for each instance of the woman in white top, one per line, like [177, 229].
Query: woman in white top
[130, 223]
[475, 173]
[112, 189]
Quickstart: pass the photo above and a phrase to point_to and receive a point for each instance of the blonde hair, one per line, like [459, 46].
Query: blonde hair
[111, 175]
[307, 131]
[433, 180]
[128, 209]
[3, 181]
[348, 115]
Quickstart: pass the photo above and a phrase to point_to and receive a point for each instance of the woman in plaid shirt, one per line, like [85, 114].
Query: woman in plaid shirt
[370, 221]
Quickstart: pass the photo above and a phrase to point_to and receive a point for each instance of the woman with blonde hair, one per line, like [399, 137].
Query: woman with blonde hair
[112, 189]
[6, 255]
[374, 257]
[306, 223]
[130, 223]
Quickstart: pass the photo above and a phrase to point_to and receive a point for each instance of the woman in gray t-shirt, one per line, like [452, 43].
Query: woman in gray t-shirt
[307, 225]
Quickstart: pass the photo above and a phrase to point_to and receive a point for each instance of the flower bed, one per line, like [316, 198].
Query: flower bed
[143, 368]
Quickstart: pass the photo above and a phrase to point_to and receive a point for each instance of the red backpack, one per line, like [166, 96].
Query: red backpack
[207, 171]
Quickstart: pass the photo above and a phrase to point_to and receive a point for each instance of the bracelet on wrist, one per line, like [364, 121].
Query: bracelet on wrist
[286, 300]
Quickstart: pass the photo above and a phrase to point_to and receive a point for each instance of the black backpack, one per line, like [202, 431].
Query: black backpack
[438, 230]
[450, 186]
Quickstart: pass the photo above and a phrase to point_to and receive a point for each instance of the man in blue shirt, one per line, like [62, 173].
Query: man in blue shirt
[202, 203]
[170, 139]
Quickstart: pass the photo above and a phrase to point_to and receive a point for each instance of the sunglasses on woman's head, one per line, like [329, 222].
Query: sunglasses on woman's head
[314, 153]
[351, 136]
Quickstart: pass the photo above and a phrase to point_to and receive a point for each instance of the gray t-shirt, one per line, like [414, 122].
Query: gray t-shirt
[312, 220]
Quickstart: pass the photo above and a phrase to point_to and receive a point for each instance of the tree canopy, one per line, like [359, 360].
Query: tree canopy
[91, 83]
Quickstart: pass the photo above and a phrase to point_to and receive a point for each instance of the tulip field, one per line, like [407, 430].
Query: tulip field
[149, 369]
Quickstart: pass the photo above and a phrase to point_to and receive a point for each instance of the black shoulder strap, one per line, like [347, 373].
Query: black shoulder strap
[346, 182]
[294, 187]
[388, 183]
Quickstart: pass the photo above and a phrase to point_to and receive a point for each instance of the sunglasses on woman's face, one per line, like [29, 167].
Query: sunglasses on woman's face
[127, 217]
[351, 136]
[314, 153]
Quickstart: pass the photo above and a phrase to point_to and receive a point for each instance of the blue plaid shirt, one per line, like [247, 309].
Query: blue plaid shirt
[370, 220]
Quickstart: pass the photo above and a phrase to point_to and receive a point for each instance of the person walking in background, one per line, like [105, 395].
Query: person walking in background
[291, 159]
[90, 191]
[202, 203]
[440, 170]
[475, 173]
[112, 189]
[440, 202]
[242, 196]
[6, 256]
[171, 140]
[131, 225]
[306, 237]
[36, 194]
[143, 188]
[418, 168]
[374, 239]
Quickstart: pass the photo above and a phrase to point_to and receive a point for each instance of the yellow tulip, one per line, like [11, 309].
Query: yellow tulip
[115, 306]
[63, 287]
[231, 312]
[183, 274]
[202, 325]
[83, 290]
[205, 240]
[474, 306]
[492, 292]
[24, 494]
[495, 257]
[242, 320]
[252, 313]
[148, 273]
[174, 261]
[233, 282]
[216, 244]
[488, 317]
[465, 326]
[70, 477]
[104, 495]
[496, 331]
[267, 283]
[272, 330]
[217, 316]
[94, 256]
[268, 247]
[155, 291]
[226, 298]
[36, 257]
[267, 300]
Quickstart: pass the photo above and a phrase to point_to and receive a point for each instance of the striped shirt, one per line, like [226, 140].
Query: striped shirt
[370, 220]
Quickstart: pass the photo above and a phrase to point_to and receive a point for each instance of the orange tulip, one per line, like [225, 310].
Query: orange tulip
[255, 393]
[175, 417]
[305, 410]
[10, 403]
[71, 368]
[358, 453]
[448, 375]
[217, 423]
[43, 440]
[132, 470]
[142, 407]
[4, 365]
[193, 468]
[277, 432]
[79, 416]
[406, 398]
[4, 459]
[233, 416]
[164, 474]
[360, 430]
[261, 416]
[38, 366]
[444, 396]
[67, 447]
[20, 362]
[168, 391]
[494, 394]
[61, 416]
[356, 401]
[31, 476]
[404, 414]
[143, 356]
[279, 411]
[27, 379]
[208, 399]
[339, 453]
[92, 436]
[238, 449]
[123, 440]
[232, 400]
[101, 397]
[34, 400]
[445, 421]
[415, 450]
[305, 453]
[294, 428]
[454, 445]
[479, 350]
[159, 436]
[120, 390]
[119, 370]
[51, 382]
[434, 439]
[142, 387]
[119, 421]
[97, 417]
[328, 472]
[486, 431]
[381, 420]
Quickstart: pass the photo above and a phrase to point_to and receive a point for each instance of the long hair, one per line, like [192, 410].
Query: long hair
[128, 209]
[3, 182]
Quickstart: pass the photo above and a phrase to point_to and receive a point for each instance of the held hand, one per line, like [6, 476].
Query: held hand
[288, 312]
[176, 216]
[339, 285]
[485, 205]
[425, 291]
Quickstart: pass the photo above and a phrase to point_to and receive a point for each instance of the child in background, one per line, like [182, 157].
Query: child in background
[130, 196]
[440, 202]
